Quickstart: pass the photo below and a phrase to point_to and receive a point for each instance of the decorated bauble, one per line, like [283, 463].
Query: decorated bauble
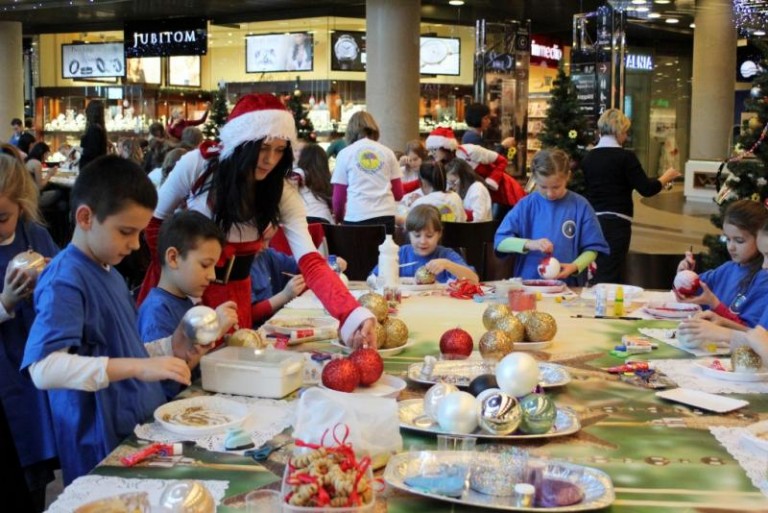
[517, 374]
[369, 364]
[687, 283]
[341, 374]
[539, 414]
[29, 261]
[182, 496]
[247, 338]
[495, 345]
[512, 327]
[397, 333]
[434, 395]
[541, 327]
[493, 313]
[524, 315]
[500, 413]
[754, 123]
[744, 359]
[549, 268]
[424, 276]
[457, 413]
[201, 324]
[482, 383]
[381, 336]
[756, 92]
[376, 304]
[456, 344]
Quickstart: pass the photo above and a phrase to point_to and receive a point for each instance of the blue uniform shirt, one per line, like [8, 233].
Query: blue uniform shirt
[408, 255]
[267, 278]
[160, 314]
[87, 309]
[569, 223]
[748, 301]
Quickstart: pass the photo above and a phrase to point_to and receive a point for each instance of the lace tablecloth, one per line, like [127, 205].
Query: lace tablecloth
[668, 337]
[753, 461]
[91, 488]
[685, 374]
[269, 418]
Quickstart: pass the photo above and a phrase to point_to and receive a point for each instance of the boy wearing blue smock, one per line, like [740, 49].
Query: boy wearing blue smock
[84, 345]
[555, 222]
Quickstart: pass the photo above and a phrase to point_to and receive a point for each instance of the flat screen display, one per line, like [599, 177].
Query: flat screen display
[184, 71]
[348, 51]
[143, 70]
[440, 56]
[92, 60]
[279, 52]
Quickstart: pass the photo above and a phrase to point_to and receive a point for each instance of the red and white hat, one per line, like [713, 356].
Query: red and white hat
[254, 117]
[474, 154]
[442, 137]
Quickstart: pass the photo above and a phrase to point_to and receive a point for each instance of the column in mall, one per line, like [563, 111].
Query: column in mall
[714, 65]
[12, 77]
[392, 68]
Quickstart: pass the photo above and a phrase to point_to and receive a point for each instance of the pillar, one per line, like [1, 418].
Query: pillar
[12, 77]
[392, 68]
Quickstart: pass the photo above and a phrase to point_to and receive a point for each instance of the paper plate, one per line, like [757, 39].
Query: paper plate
[544, 286]
[201, 416]
[671, 310]
[383, 352]
[386, 386]
[631, 292]
[704, 366]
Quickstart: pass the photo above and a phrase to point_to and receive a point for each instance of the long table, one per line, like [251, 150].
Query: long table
[660, 455]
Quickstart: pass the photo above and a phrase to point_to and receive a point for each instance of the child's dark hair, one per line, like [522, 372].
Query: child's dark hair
[38, 151]
[750, 216]
[433, 173]
[422, 217]
[475, 113]
[185, 231]
[550, 162]
[317, 176]
[109, 183]
[465, 174]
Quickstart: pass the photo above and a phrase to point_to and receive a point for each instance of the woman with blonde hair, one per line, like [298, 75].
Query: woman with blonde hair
[367, 180]
[611, 173]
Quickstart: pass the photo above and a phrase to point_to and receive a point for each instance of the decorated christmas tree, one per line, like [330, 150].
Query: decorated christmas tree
[218, 115]
[565, 127]
[304, 127]
[747, 169]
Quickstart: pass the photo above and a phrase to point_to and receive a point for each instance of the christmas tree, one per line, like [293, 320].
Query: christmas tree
[565, 127]
[747, 176]
[304, 127]
[218, 115]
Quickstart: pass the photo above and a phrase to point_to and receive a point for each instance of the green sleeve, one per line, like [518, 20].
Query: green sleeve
[586, 258]
[512, 245]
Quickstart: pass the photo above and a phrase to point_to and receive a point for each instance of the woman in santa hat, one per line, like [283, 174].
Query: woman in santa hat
[505, 191]
[240, 184]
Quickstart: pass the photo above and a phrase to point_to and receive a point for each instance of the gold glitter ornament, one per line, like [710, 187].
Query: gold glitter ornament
[493, 313]
[246, 338]
[396, 332]
[495, 345]
[512, 327]
[524, 315]
[381, 336]
[744, 359]
[541, 327]
[424, 276]
[376, 304]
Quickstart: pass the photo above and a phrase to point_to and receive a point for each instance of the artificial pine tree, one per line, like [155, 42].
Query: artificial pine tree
[748, 178]
[565, 127]
[218, 116]
[304, 127]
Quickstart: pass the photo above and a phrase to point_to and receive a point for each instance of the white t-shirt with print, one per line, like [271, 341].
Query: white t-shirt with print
[448, 203]
[478, 201]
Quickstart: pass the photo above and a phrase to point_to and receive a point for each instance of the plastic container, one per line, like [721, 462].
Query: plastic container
[245, 371]
[389, 263]
[288, 508]
[601, 300]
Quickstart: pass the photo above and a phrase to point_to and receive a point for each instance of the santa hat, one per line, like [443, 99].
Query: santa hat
[442, 138]
[474, 155]
[254, 117]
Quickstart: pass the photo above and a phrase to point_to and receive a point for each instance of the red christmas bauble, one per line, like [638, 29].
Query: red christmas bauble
[456, 344]
[341, 375]
[369, 365]
[687, 283]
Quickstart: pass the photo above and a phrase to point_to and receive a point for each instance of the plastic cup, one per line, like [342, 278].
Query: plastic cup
[455, 443]
[263, 501]
[520, 301]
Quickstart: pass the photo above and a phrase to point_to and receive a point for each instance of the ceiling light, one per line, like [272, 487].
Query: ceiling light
[692, 25]
[638, 2]
[456, 2]
[758, 33]
[672, 20]
[663, 1]
[642, 8]
[654, 15]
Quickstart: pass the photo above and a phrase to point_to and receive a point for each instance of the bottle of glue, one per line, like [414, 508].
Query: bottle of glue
[618, 302]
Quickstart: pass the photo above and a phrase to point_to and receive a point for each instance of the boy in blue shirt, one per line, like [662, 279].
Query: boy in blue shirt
[84, 346]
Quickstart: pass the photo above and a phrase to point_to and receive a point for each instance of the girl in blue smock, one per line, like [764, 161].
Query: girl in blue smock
[555, 222]
[26, 408]
[424, 231]
[738, 290]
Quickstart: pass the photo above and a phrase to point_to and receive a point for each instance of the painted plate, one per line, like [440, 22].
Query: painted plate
[461, 372]
[704, 366]
[386, 386]
[412, 417]
[201, 416]
[544, 286]
[383, 352]
[671, 310]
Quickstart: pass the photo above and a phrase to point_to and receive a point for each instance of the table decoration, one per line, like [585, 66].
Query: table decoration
[461, 373]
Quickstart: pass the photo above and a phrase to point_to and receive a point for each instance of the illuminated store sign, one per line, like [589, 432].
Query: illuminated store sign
[545, 50]
[188, 36]
[639, 62]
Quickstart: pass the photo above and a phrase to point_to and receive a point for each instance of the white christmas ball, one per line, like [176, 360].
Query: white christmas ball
[201, 324]
[549, 268]
[457, 413]
[433, 397]
[517, 374]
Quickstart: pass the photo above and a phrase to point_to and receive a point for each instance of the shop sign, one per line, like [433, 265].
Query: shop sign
[546, 51]
[639, 62]
[186, 36]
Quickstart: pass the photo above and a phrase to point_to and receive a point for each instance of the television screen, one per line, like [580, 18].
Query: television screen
[279, 52]
[184, 70]
[440, 56]
[348, 51]
[94, 60]
[143, 70]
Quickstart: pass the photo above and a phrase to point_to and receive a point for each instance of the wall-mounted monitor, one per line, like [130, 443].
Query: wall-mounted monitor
[92, 60]
[143, 70]
[348, 51]
[184, 71]
[279, 52]
[440, 56]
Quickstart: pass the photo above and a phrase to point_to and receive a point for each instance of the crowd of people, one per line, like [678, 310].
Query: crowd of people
[92, 367]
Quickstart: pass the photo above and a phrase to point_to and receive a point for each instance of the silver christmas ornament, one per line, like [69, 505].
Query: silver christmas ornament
[201, 324]
[500, 414]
